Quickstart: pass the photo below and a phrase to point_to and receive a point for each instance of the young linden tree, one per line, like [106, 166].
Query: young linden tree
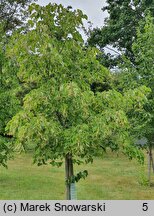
[61, 116]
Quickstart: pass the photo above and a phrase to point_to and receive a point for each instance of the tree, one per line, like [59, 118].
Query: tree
[13, 13]
[119, 30]
[65, 114]
[132, 76]
[9, 104]
[143, 50]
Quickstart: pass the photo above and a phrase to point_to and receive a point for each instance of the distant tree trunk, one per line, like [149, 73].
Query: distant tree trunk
[150, 162]
[149, 165]
[69, 174]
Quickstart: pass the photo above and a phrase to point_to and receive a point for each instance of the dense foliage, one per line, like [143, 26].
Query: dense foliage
[143, 50]
[13, 13]
[137, 74]
[120, 28]
[55, 79]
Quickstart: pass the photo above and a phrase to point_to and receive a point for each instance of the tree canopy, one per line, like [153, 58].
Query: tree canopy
[143, 50]
[137, 74]
[120, 27]
[61, 114]
[13, 13]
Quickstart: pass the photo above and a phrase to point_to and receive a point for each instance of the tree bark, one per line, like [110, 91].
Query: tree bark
[69, 174]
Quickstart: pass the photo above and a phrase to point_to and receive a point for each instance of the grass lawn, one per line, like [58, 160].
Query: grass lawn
[109, 178]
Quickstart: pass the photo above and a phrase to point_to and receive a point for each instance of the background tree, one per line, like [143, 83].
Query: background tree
[13, 14]
[130, 77]
[63, 115]
[119, 30]
[143, 50]
[8, 100]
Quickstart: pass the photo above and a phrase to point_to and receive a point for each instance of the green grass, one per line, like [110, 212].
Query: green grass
[109, 178]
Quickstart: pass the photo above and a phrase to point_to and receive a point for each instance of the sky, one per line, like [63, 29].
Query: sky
[92, 8]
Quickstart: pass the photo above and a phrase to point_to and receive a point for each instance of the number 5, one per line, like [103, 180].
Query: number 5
[145, 207]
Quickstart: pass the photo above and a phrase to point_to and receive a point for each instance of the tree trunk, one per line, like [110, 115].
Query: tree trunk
[69, 174]
[149, 167]
[150, 160]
